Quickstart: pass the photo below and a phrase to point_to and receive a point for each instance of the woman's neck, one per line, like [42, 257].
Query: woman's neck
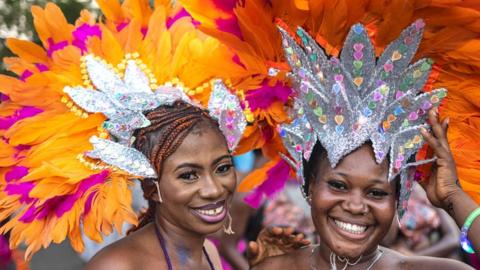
[183, 247]
[322, 257]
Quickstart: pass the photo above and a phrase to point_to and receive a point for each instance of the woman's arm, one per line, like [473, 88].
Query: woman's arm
[443, 188]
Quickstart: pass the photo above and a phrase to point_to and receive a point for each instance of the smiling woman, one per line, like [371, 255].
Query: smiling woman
[189, 199]
[359, 122]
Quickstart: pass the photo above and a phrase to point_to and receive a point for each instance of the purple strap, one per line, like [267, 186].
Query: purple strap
[167, 257]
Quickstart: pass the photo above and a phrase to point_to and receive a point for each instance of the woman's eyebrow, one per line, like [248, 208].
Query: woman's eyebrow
[188, 165]
[374, 180]
[220, 158]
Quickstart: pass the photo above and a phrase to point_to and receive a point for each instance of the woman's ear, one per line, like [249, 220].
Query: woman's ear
[151, 190]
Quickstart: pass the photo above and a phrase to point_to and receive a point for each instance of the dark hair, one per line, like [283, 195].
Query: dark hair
[170, 124]
[310, 167]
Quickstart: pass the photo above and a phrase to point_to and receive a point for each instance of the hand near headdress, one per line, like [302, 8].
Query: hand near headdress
[274, 241]
[443, 180]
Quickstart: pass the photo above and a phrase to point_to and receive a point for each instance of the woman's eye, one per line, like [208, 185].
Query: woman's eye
[188, 176]
[224, 168]
[337, 185]
[378, 194]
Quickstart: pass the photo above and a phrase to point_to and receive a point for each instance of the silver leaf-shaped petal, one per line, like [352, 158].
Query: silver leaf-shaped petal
[92, 101]
[126, 158]
[123, 127]
[400, 52]
[103, 77]
[167, 95]
[358, 57]
[405, 144]
[135, 79]
[225, 108]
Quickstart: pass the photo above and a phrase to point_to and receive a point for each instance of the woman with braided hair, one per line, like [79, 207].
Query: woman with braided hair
[189, 199]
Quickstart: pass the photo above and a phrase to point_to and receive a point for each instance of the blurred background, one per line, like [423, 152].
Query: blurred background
[16, 19]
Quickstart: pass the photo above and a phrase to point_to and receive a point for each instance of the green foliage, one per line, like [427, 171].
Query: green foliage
[16, 17]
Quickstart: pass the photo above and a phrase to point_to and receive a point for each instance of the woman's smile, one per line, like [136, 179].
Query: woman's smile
[212, 213]
[350, 231]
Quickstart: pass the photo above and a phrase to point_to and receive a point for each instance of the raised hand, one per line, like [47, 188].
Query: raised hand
[443, 181]
[274, 241]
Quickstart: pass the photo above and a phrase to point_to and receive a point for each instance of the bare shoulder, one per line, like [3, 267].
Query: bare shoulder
[119, 255]
[298, 259]
[424, 262]
[397, 260]
[130, 252]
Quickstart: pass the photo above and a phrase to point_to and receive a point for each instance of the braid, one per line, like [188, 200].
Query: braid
[169, 127]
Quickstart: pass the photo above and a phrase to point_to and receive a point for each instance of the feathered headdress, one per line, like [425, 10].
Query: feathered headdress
[66, 124]
[347, 101]
[451, 40]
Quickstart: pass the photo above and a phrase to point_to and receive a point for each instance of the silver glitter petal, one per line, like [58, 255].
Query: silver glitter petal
[299, 138]
[92, 101]
[408, 111]
[103, 77]
[403, 146]
[135, 79]
[225, 108]
[401, 51]
[358, 57]
[169, 94]
[123, 128]
[123, 157]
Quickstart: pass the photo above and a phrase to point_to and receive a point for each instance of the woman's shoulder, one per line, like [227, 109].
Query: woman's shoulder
[424, 262]
[125, 254]
[298, 259]
[119, 255]
[398, 261]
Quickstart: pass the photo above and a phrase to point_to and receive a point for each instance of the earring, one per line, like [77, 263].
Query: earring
[160, 200]
[228, 230]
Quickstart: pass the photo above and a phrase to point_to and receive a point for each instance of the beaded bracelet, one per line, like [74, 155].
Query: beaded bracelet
[464, 242]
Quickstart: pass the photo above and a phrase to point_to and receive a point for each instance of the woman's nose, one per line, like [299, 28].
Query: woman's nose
[211, 188]
[355, 203]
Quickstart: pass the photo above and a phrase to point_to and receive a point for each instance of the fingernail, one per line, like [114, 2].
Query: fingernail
[447, 121]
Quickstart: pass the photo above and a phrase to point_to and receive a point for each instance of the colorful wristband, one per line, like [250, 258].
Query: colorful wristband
[464, 242]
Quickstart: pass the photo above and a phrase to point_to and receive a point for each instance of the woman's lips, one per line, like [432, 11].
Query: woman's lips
[349, 230]
[211, 213]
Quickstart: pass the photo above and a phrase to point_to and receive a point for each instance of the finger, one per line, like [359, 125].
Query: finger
[252, 248]
[288, 231]
[432, 141]
[299, 237]
[276, 230]
[304, 243]
[436, 127]
[439, 150]
[445, 123]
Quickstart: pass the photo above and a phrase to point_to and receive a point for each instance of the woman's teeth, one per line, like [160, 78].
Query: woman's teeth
[211, 212]
[351, 228]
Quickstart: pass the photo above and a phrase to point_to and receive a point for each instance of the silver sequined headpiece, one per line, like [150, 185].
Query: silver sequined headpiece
[124, 100]
[347, 101]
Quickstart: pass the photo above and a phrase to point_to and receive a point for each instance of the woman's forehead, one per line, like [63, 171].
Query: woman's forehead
[200, 145]
[360, 162]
